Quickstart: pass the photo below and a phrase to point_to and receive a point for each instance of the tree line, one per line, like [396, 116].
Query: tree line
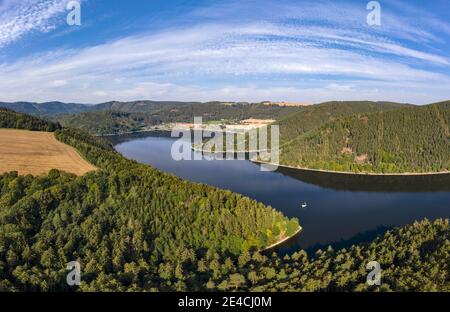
[125, 216]
[12, 119]
[117, 117]
[411, 139]
[134, 228]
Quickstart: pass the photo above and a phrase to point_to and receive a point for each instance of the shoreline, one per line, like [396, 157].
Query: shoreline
[287, 166]
[163, 129]
[353, 173]
[226, 152]
[129, 132]
[282, 241]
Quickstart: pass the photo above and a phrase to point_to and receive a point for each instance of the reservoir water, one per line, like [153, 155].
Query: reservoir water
[341, 210]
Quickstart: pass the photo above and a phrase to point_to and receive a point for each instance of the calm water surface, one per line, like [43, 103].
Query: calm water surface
[342, 210]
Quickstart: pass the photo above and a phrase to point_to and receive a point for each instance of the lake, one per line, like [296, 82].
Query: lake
[341, 209]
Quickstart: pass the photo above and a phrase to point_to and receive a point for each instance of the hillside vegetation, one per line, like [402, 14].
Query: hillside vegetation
[45, 109]
[314, 116]
[37, 152]
[134, 228]
[411, 139]
[185, 111]
[308, 118]
[412, 258]
[12, 119]
[109, 122]
[126, 216]
[117, 117]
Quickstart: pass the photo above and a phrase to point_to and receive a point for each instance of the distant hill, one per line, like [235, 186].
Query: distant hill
[58, 108]
[46, 109]
[125, 213]
[139, 106]
[119, 117]
[410, 139]
[135, 228]
[309, 117]
[185, 111]
[109, 122]
[12, 119]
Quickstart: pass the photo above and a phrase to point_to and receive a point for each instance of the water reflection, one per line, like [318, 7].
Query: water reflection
[372, 183]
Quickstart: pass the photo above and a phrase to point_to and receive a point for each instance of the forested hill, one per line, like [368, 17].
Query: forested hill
[122, 222]
[118, 117]
[12, 119]
[109, 122]
[134, 228]
[140, 106]
[45, 109]
[162, 110]
[185, 111]
[314, 116]
[411, 139]
[412, 258]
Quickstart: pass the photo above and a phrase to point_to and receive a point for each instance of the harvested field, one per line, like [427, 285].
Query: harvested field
[36, 153]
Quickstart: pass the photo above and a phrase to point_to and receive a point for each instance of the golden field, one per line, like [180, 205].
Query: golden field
[36, 153]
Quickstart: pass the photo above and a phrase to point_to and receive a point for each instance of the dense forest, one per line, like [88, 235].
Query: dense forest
[45, 109]
[185, 111]
[126, 215]
[118, 117]
[109, 122]
[314, 116]
[134, 228]
[410, 139]
[412, 258]
[49, 109]
[12, 119]
[308, 118]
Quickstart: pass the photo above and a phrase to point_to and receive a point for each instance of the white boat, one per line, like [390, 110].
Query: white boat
[304, 205]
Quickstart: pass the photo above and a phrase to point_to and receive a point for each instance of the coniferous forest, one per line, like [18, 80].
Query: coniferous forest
[14, 120]
[312, 117]
[134, 228]
[124, 215]
[409, 139]
[224, 155]
[117, 117]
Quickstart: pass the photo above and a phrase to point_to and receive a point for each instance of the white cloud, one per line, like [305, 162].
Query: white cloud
[17, 18]
[339, 87]
[246, 60]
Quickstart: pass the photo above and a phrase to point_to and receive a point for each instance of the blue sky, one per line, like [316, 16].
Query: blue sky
[303, 51]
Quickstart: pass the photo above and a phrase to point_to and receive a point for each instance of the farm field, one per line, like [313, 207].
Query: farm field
[36, 153]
